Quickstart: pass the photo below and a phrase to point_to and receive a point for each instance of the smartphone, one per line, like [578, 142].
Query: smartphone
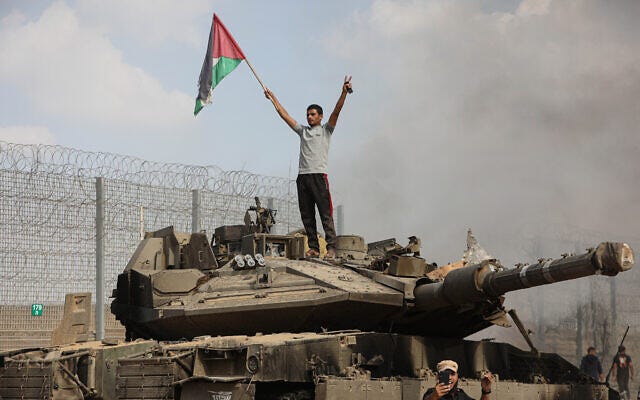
[444, 377]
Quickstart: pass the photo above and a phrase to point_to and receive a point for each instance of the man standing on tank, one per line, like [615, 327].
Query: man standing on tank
[312, 182]
[622, 370]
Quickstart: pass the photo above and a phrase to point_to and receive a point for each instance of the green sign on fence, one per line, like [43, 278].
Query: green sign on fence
[36, 310]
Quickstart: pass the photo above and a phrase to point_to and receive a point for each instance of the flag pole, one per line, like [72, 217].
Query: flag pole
[254, 73]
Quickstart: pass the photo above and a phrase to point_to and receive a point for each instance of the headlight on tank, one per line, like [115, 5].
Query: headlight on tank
[253, 364]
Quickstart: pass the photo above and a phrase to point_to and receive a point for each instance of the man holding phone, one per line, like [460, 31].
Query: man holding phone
[447, 386]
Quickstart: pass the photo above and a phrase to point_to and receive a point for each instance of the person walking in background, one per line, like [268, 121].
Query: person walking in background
[622, 371]
[591, 365]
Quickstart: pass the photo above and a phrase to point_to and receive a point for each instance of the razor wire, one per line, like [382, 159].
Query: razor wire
[57, 161]
[47, 213]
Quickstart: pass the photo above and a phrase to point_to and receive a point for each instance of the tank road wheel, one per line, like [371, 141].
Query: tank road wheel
[129, 334]
[294, 395]
[285, 391]
[132, 334]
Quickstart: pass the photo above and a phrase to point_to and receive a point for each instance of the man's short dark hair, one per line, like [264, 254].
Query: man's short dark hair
[621, 348]
[591, 348]
[315, 107]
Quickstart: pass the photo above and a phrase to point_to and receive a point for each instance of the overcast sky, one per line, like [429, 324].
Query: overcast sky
[517, 119]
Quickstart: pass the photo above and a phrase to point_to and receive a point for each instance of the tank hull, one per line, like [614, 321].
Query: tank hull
[347, 365]
[351, 365]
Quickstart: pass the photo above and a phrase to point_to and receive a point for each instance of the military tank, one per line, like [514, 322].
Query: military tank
[246, 316]
[256, 308]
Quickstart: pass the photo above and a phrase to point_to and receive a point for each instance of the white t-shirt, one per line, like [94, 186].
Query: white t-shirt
[314, 148]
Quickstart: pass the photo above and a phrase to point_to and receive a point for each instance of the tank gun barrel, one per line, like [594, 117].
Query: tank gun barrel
[485, 281]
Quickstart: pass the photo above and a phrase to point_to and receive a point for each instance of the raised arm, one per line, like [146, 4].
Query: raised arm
[281, 111]
[346, 86]
[485, 385]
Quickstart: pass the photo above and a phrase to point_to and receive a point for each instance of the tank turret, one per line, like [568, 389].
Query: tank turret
[250, 280]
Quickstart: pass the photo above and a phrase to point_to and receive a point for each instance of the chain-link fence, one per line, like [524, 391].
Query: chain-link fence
[48, 219]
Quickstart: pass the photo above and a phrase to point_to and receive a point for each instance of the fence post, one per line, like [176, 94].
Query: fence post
[614, 316]
[195, 211]
[340, 220]
[100, 258]
[579, 323]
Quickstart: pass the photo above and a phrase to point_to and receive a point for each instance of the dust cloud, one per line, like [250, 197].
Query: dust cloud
[520, 123]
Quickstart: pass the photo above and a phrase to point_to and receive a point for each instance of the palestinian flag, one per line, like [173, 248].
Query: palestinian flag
[223, 56]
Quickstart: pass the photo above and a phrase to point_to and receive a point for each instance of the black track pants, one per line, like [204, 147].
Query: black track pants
[313, 190]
